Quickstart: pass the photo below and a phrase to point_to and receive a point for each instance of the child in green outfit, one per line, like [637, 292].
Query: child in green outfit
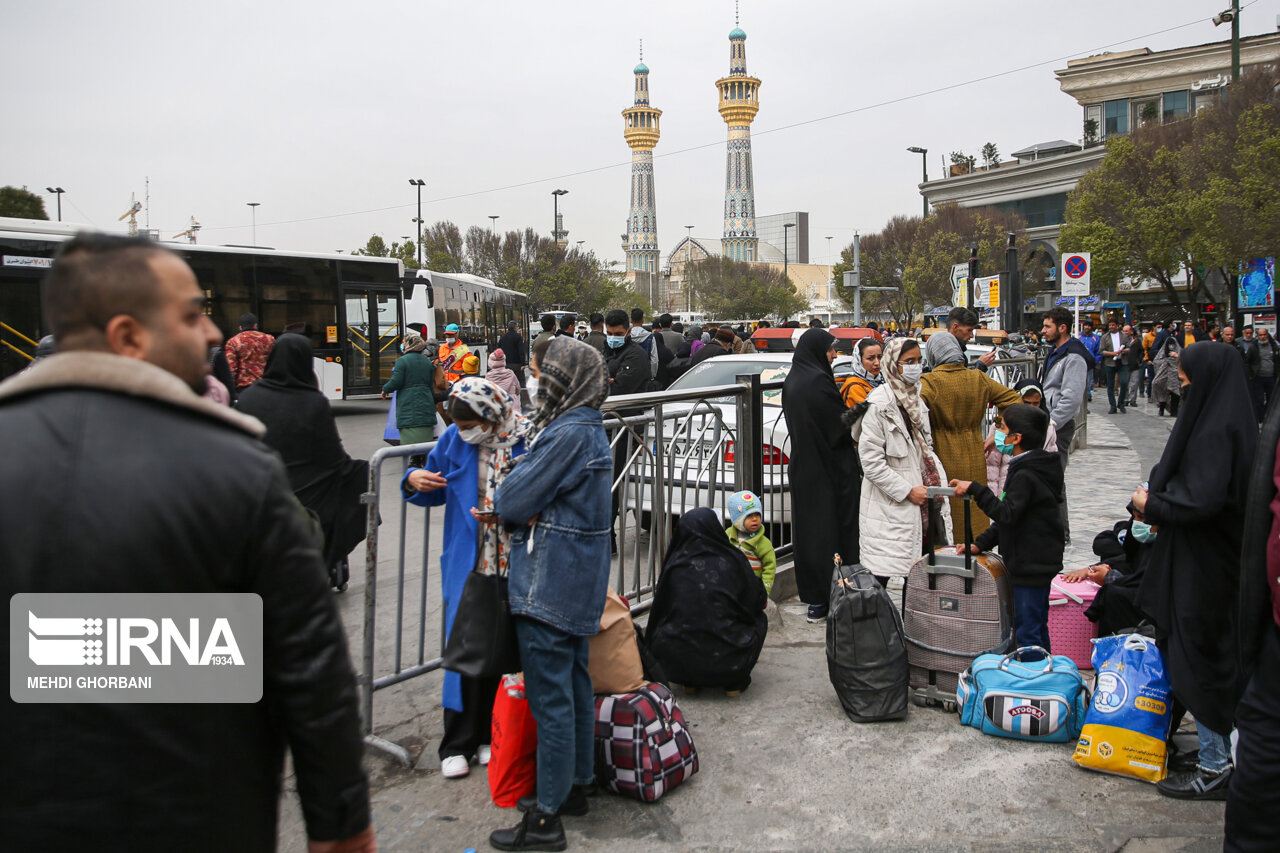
[747, 533]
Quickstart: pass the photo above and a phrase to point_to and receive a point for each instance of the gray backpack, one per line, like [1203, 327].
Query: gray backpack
[866, 656]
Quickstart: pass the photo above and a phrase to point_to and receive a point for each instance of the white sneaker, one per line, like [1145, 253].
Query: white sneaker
[455, 767]
[483, 754]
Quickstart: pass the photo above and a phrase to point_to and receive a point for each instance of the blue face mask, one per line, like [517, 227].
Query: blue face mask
[615, 341]
[1142, 531]
[1002, 443]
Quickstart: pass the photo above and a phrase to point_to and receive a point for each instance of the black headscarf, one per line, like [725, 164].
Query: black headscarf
[809, 392]
[1197, 499]
[708, 624]
[289, 365]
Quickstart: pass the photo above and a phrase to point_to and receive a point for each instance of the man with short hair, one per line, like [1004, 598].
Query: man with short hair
[1115, 348]
[1093, 344]
[566, 326]
[721, 344]
[596, 336]
[1064, 379]
[670, 337]
[961, 322]
[168, 493]
[1191, 334]
[1263, 384]
[548, 323]
[1132, 362]
[247, 352]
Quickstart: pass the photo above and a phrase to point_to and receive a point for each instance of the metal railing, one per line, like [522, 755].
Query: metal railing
[673, 451]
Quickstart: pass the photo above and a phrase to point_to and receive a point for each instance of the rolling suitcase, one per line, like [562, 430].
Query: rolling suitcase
[865, 656]
[955, 607]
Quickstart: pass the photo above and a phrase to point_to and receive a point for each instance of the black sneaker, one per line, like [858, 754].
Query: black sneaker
[1198, 784]
[817, 613]
[535, 831]
[1184, 762]
[575, 805]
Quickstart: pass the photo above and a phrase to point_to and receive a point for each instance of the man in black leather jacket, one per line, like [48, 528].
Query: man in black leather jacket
[131, 483]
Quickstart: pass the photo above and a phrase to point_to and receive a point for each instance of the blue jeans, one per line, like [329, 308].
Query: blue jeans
[1031, 618]
[1215, 749]
[558, 687]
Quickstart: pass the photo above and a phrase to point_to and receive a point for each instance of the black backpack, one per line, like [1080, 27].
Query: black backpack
[866, 655]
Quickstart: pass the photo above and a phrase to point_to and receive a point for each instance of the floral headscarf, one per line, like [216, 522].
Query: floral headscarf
[496, 407]
[856, 368]
[906, 393]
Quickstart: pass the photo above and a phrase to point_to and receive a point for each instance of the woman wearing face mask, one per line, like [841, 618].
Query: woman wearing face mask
[823, 468]
[1122, 552]
[1191, 584]
[866, 372]
[463, 472]
[999, 452]
[895, 445]
[958, 398]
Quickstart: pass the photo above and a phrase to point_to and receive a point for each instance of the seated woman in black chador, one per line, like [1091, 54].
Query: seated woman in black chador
[708, 624]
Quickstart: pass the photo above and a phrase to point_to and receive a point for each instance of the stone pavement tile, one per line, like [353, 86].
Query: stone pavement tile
[1100, 480]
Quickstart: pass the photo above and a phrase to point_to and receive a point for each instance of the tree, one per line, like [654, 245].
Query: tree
[375, 248]
[990, 156]
[484, 252]
[883, 258]
[442, 247]
[737, 289]
[21, 203]
[962, 163]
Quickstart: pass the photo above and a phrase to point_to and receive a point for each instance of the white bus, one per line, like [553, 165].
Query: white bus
[481, 309]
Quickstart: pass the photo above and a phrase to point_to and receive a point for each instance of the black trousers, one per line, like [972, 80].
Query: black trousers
[470, 728]
[1065, 433]
[1253, 801]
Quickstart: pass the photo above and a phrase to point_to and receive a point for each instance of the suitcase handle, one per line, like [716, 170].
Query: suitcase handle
[1048, 658]
[967, 500]
[1071, 595]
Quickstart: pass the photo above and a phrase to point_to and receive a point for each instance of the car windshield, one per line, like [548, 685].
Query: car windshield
[716, 371]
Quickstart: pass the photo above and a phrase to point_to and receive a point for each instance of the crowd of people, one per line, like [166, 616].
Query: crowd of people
[263, 505]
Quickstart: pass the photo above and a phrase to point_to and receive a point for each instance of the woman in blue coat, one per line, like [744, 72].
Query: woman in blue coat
[463, 473]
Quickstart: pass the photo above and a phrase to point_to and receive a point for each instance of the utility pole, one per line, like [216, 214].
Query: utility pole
[419, 183]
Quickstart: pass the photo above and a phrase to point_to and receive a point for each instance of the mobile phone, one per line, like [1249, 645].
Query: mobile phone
[940, 492]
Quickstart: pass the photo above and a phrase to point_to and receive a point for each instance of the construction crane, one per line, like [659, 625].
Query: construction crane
[192, 228]
[132, 215]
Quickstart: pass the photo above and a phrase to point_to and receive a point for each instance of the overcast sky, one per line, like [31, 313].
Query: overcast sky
[323, 111]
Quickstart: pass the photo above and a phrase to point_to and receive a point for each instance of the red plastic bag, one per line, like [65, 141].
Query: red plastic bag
[513, 764]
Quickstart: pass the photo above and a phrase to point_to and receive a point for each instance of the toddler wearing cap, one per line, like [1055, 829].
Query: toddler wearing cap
[747, 532]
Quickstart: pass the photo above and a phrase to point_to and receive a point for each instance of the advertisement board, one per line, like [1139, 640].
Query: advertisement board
[1258, 283]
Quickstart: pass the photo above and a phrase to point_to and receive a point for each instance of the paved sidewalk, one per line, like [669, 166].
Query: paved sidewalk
[782, 768]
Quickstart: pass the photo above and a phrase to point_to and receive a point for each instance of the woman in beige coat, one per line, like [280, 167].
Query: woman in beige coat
[895, 446]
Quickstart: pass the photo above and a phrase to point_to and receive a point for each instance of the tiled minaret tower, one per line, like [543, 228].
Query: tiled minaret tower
[641, 131]
[739, 103]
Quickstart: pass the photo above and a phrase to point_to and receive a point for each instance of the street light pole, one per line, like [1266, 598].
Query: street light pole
[419, 183]
[829, 271]
[555, 206]
[58, 191]
[253, 206]
[493, 223]
[924, 175]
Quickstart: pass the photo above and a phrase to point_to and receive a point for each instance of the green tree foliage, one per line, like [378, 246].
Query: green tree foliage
[21, 203]
[736, 289]
[442, 247]
[990, 155]
[375, 248]
[1195, 194]
[883, 259]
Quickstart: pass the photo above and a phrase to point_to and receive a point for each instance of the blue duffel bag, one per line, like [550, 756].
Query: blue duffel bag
[1044, 700]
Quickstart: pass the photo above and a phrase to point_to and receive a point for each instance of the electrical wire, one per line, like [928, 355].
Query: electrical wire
[719, 142]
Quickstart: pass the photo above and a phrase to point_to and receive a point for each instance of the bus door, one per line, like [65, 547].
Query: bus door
[19, 318]
[372, 328]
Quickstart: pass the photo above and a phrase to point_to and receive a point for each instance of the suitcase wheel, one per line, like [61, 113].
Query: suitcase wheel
[342, 588]
[919, 701]
[949, 707]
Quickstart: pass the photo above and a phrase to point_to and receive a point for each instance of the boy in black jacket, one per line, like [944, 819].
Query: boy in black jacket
[1026, 520]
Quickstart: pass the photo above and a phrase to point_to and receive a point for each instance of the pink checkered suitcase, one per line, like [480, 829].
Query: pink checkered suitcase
[643, 748]
[1070, 631]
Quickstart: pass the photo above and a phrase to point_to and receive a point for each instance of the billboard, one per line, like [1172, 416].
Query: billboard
[1258, 283]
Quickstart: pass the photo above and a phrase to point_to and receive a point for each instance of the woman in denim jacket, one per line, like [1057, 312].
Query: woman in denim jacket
[557, 498]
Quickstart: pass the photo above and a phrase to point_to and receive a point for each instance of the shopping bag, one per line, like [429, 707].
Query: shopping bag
[1127, 726]
[613, 660]
[482, 640]
[513, 762]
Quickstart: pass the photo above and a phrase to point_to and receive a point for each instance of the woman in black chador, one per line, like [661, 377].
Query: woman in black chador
[824, 470]
[300, 427]
[708, 624]
[1196, 502]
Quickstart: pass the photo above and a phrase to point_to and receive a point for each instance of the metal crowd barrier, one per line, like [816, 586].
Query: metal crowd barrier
[673, 451]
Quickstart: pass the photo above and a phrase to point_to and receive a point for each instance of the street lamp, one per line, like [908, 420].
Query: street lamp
[419, 183]
[786, 245]
[493, 223]
[253, 206]
[57, 191]
[556, 233]
[829, 238]
[924, 175]
[1232, 15]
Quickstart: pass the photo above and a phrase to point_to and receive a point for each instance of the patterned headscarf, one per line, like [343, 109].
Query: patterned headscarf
[906, 393]
[856, 368]
[494, 406]
[944, 348]
[571, 374]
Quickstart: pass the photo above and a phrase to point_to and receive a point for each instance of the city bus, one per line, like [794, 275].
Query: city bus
[351, 308]
[481, 309]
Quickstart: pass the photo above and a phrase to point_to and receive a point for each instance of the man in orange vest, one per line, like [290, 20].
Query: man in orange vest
[452, 351]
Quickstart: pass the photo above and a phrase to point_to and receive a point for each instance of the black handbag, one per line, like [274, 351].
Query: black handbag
[482, 643]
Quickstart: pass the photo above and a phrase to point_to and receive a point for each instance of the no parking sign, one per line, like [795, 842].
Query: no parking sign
[1075, 274]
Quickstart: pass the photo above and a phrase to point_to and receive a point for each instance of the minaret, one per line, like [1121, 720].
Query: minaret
[739, 103]
[640, 128]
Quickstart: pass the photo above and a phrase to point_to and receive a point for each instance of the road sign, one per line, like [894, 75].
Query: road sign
[960, 285]
[1075, 274]
[986, 291]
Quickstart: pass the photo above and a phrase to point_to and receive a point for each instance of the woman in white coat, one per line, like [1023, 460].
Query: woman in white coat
[895, 445]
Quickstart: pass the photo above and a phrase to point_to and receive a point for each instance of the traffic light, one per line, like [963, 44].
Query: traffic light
[1209, 309]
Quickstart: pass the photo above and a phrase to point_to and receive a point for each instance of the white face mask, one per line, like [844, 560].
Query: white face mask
[911, 373]
[473, 435]
[531, 385]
